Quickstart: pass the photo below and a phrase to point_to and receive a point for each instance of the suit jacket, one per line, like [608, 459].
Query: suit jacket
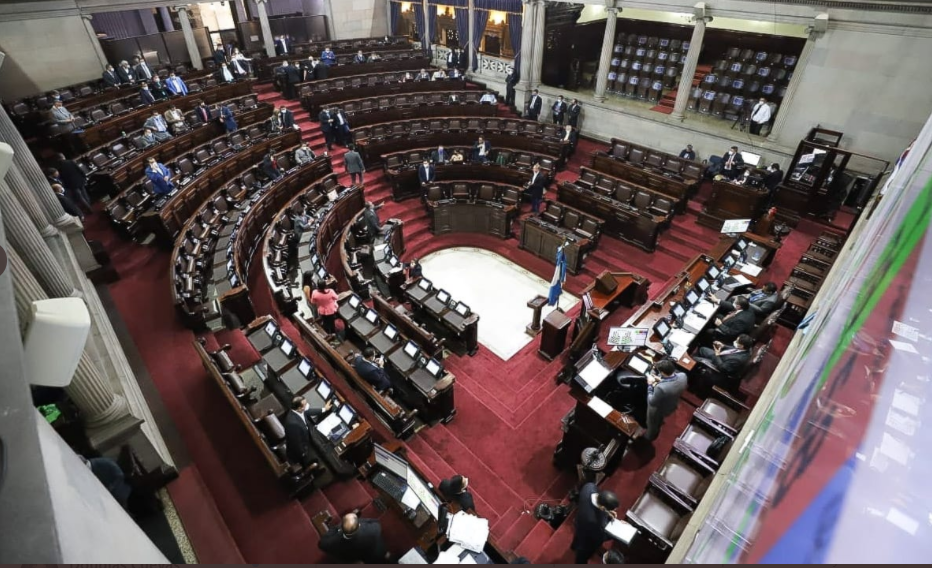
[219, 56]
[111, 78]
[475, 149]
[464, 499]
[71, 174]
[373, 223]
[202, 113]
[666, 394]
[372, 374]
[572, 114]
[326, 121]
[229, 121]
[763, 303]
[143, 72]
[730, 363]
[773, 179]
[270, 166]
[281, 47]
[292, 75]
[558, 108]
[146, 96]
[176, 85]
[359, 58]
[366, 545]
[126, 75]
[303, 155]
[220, 78]
[688, 155]
[534, 106]
[287, 119]
[298, 437]
[738, 161]
[511, 79]
[158, 90]
[426, 175]
[574, 137]
[353, 162]
[436, 158]
[734, 324]
[537, 185]
[590, 521]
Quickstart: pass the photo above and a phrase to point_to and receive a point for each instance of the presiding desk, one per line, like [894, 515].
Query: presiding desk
[732, 201]
[678, 190]
[460, 216]
[543, 239]
[401, 170]
[300, 51]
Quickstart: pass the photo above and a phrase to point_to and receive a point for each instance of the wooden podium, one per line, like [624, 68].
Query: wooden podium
[553, 339]
[537, 304]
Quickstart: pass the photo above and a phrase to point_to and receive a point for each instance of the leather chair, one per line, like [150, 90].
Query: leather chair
[185, 166]
[393, 162]
[672, 165]
[623, 193]
[620, 150]
[524, 161]
[511, 196]
[699, 435]
[202, 156]
[605, 185]
[684, 475]
[724, 410]
[642, 201]
[552, 213]
[98, 115]
[587, 179]
[637, 155]
[486, 192]
[660, 517]
[654, 159]
[691, 170]
[222, 358]
[462, 191]
[589, 229]
[220, 147]
[662, 207]
[434, 193]
[570, 220]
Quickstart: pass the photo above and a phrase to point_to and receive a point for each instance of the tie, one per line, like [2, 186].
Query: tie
[731, 158]
[756, 296]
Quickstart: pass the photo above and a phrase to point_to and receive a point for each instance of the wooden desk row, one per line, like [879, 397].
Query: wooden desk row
[428, 303]
[680, 169]
[503, 169]
[414, 62]
[629, 193]
[465, 216]
[466, 104]
[679, 191]
[560, 225]
[120, 173]
[266, 65]
[113, 128]
[622, 221]
[328, 92]
[355, 242]
[807, 276]
[260, 403]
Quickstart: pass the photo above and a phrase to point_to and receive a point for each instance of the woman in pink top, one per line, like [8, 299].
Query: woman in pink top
[324, 300]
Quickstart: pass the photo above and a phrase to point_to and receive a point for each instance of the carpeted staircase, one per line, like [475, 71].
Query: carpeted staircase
[668, 100]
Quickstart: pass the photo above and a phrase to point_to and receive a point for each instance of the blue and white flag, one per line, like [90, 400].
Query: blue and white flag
[559, 277]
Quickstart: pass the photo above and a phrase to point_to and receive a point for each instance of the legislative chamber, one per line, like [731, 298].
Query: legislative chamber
[450, 282]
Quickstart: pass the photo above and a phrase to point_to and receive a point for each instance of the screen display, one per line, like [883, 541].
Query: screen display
[423, 284]
[304, 367]
[354, 302]
[737, 101]
[692, 297]
[628, 336]
[322, 273]
[234, 281]
[411, 349]
[433, 367]
[287, 347]
[708, 95]
[315, 260]
[751, 159]
[742, 244]
[347, 414]
[678, 310]
[424, 494]
[462, 309]
[393, 261]
[662, 328]
[443, 296]
[703, 284]
[735, 67]
[639, 364]
[714, 272]
[390, 331]
[371, 316]
[729, 262]
[324, 390]
[390, 461]
[271, 328]
[735, 225]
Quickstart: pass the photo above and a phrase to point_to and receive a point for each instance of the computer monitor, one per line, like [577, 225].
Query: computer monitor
[324, 390]
[462, 309]
[729, 261]
[229, 266]
[662, 328]
[371, 316]
[234, 281]
[390, 331]
[411, 349]
[628, 336]
[713, 272]
[742, 244]
[354, 301]
[638, 364]
[305, 367]
[287, 347]
[751, 159]
[433, 367]
[679, 310]
[315, 260]
[587, 301]
[735, 225]
[443, 296]
[347, 414]
[703, 285]
[424, 284]
[271, 328]
[424, 494]
[390, 461]
[692, 297]
[322, 273]
[393, 261]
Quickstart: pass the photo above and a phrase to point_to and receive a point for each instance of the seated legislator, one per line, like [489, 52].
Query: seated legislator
[224, 75]
[145, 95]
[158, 126]
[454, 491]
[158, 89]
[297, 423]
[148, 139]
[481, 150]
[414, 270]
[304, 154]
[740, 320]
[270, 166]
[457, 157]
[369, 366]
[426, 173]
[762, 301]
[439, 156]
[176, 85]
[727, 361]
[202, 113]
[568, 141]
[422, 76]
[355, 540]
[688, 153]
[439, 75]
[175, 119]
[360, 57]
[160, 176]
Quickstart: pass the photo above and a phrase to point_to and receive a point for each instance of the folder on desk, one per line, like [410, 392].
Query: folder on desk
[468, 531]
[750, 269]
[681, 337]
[706, 309]
[327, 425]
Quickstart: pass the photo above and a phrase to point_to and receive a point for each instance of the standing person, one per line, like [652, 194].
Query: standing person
[568, 141]
[732, 164]
[286, 80]
[760, 115]
[594, 511]
[160, 176]
[75, 180]
[157, 87]
[141, 68]
[426, 173]
[126, 73]
[67, 204]
[202, 113]
[453, 59]
[63, 116]
[54, 178]
[297, 424]
[572, 114]
[241, 64]
[326, 127]
[227, 118]
[511, 80]
[355, 540]
[373, 223]
[324, 300]
[663, 396]
[111, 79]
[533, 106]
[281, 45]
[536, 188]
[275, 122]
[352, 161]
[220, 55]
[773, 178]
[559, 110]
[341, 126]
[454, 491]
[481, 150]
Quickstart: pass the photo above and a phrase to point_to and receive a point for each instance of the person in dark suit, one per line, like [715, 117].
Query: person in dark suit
[287, 118]
[270, 167]
[594, 511]
[111, 79]
[426, 173]
[773, 178]
[66, 203]
[352, 161]
[511, 80]
[220, 55]
[224, 75]
[297, 423]
[663, 395]
[307, 69]
[292, 77]
[728, 362]
[281, 45]
[321, 71]
[739, 321]
[328, 57]
[481, 150]
[75, 181]
[559, 110]
[534, 105]
[341, 127]
[568, 141]
[141, 68]
[572, 113]
[227, 118]
[145, 95]
[732, 164]
[688, 153]
[160, 176]
[414, 269]
[126, 73]
[439, 156]
[371, 218]
[355, 540]
[369, 367]
[761, 301]
[453, 59]
[158, 89]
[360, 57]
[454, 491]
[202, 113]
[536, 188]
[326, 127]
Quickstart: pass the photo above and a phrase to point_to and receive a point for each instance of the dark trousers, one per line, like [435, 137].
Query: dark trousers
[510, 95]
[535, 204]
[354, 175]
[755, 127]
[289, 90]
[329, 323]
[558, 118]
[583, 556]
[328, 138]
[80, 197]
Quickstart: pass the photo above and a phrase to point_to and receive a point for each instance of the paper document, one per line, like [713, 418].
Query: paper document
[694, 321]
[409, 499]
[327, 425]
[621, 530]
[593, 374]
[750, 269]
[469, 531]
[903, 346]
[742, 281]
[412, 557]
[681, 337]
[705, 308]
[468, 559]
[600, 406]
[906, 402]
[447, 557]
[678, 351]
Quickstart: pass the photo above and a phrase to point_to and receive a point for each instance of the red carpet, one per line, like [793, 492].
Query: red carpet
[508, 420]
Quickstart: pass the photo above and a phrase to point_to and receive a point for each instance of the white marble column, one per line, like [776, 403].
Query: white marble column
[92, 35]
[605, 61]
[783, 112]
[166, 18]
[328, 13]
[267, 37]
[540, 26]
[89, 389]
[189, 40]
[472, 51]
[15, 182]
[689, 69]
[528, 22]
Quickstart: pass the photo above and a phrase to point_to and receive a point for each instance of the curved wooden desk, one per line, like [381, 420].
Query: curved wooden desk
[394, 108]
[326, 92]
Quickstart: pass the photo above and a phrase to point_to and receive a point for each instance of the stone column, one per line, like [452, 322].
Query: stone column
[89, 389]
[92, 35]
[23, 235]
[472, 51]
[425, 33]
[527, 45]
[783, 112]
[166, 19]
[605, 61]
[32, 173]
[189, 40]
[328, 13]
[540, 25]
[689, 70]
[14, 182]
[267, 38]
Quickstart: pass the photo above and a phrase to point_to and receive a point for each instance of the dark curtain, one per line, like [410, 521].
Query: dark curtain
[431, 25]
[419, 23]
[482, 18]
[515, 31]
[510, 6]
[462, 27]
[395, 17]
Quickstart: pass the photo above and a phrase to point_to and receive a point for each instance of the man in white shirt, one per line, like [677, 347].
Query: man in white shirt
[760, 115]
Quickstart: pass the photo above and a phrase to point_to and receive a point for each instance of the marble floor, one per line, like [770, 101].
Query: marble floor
[496, 289]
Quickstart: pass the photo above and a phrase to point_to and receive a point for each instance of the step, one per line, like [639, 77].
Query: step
[347, 496]
[557, 549]
[206, 529]
[518, 531]
[535, 540]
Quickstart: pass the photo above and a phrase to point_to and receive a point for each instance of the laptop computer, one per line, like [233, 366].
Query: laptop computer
[366, 325]
[384, 340]
[404, 359]
[421, 290]
[438, 303]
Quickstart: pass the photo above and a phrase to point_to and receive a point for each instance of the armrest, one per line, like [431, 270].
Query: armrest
[729, 400]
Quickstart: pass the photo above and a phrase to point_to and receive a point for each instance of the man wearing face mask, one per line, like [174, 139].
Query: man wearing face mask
[732, 164]
[727, 361]
[760, 115]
